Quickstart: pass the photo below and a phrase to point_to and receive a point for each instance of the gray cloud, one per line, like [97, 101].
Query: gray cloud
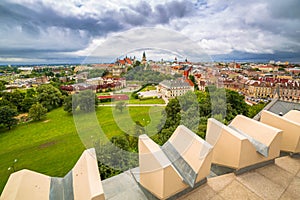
[51, 27]
[287, 9]
[45, 27]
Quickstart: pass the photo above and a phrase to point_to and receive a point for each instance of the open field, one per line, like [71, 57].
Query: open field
[138, 101]
[146, 101]
[53, 146]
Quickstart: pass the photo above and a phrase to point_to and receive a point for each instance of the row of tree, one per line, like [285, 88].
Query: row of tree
[139, 73]
[36, 102]
[194, 109]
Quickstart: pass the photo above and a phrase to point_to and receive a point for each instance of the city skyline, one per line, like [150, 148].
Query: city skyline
[68, 31]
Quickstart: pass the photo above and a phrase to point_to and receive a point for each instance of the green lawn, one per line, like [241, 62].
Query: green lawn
[146, 101]
[139, 101]
[53, 146]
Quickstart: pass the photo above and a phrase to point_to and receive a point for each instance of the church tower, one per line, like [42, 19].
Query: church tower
[144, 60]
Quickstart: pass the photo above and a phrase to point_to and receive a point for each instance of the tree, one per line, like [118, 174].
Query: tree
[113, 157]
[172, 116]
[255, 109]
[189, 111]
[49, 96]
[30, 92]
[7, 116]
[120, 106]
[121, 142]
[235, 104]
[5, 102]
[37, 112]
[87, 101]
[192, 78]
[134, 138]
[204, 103]
[27, 103]
[16, 97]
[2, 86]
[70, 103]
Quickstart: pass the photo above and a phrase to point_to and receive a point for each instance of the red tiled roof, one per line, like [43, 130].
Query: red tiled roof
[124, 61]
[128, 61]
[116, 97]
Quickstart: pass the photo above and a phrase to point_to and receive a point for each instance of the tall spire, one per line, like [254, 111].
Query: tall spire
[144, 60]
[144, 56]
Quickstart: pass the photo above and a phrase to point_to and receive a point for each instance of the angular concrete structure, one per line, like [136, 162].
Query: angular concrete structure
[193, 150]
[81, 183]
[179, 164]
[245, 142]
[290, 124]
[26, 184]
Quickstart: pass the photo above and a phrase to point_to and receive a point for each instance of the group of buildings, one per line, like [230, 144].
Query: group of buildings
[255, 81]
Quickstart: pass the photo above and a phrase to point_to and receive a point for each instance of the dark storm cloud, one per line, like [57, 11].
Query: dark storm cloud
[283, 18]
[144, 14]
[111, 20]
[288, 9]
[31, 24]
[14, 14]
[171, 10]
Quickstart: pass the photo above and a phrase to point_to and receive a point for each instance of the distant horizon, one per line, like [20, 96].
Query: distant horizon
[226, 60]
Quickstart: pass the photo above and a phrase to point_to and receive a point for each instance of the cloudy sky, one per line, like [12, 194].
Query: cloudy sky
[35, 31]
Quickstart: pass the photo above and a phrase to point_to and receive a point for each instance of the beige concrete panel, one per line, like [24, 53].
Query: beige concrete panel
[26, 185]
[161, 179]
[193, 149]
[151, 157]
[182, 139]
[249, 155]
[153, 181]
[293, 115]
[274, 152]
[227, 148]
[172, 182]
[257, 130]
[236, 151]
[204, 169]
[86, 177]
[192, 155]
[291, 130]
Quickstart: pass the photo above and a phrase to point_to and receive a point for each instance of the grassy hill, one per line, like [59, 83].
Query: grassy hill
[53, 146]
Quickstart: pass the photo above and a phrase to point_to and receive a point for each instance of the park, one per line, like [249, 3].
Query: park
[52, 146]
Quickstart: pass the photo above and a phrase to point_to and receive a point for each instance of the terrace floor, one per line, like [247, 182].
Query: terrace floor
[280, 180]
[275, 181]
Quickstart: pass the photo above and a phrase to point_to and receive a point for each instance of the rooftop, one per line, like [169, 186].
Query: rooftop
[172, 84]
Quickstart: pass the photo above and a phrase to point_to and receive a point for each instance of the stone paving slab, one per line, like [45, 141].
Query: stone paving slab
[236, 190]
[294, 188]
[282, 177]
[261, 185]
[220, 182]
[289, 164]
